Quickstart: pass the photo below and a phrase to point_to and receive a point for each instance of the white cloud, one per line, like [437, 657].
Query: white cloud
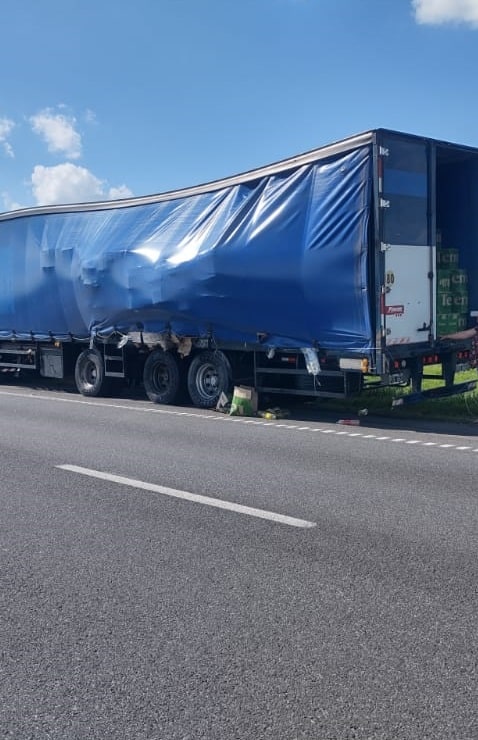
[122, 191]
[69, 183]
[65, 183]
[6, 127]
[58, 130]
[446, 11]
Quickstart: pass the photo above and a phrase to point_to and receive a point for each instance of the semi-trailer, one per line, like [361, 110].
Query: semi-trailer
[342, 268]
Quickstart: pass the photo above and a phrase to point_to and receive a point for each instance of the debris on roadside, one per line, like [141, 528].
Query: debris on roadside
[224, 403]
[244, 401]
[274, 413]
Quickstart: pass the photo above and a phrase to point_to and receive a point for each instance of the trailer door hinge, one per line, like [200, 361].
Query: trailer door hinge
[383, 151]
[384, 247]
[384, 203]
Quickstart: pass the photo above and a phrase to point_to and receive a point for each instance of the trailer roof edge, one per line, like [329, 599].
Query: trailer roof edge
[283, 165]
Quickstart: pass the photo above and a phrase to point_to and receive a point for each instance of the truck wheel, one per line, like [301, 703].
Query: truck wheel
[209, 375]
[90, 374]
[161, 377]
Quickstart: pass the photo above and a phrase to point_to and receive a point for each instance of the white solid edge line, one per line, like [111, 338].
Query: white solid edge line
[185, 495]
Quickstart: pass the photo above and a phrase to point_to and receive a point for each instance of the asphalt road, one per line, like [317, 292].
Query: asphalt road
[338, 603]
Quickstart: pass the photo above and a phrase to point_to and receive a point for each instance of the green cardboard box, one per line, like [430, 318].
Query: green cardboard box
[444, 281]
[448, 323]
[459, 281]
[448, 258]
[452, 302]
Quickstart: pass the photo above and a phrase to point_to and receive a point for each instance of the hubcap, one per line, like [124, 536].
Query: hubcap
[91, 373]
[207, 381]
[160, 378]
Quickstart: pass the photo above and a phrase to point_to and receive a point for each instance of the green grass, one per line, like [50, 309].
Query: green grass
[461, 408]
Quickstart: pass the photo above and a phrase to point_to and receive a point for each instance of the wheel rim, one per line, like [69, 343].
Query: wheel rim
[90, 373]
[160, 379]
[207, 381]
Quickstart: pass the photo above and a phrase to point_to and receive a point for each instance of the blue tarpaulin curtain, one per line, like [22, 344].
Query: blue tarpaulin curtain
[284, 255]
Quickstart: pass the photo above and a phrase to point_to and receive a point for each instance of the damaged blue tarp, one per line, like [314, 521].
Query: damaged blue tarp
[283, 256]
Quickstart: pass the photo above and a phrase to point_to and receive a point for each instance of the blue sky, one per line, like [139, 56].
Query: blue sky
[107, 98]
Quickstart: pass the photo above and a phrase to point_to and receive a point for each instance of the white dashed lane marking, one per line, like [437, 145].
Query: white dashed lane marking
[209, 416]
[121, 480]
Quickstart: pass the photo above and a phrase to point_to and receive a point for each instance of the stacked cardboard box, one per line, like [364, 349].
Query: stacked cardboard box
[452, 292]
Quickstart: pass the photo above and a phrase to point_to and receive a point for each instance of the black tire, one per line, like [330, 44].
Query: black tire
[209, 375]
[161, 377]
[90, 374]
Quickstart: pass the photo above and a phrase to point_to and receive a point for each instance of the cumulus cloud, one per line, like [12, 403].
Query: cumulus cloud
[58, 131]
[65, 183]
[122, 191]
[6, 127]
[69, 183]
[446, 11]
